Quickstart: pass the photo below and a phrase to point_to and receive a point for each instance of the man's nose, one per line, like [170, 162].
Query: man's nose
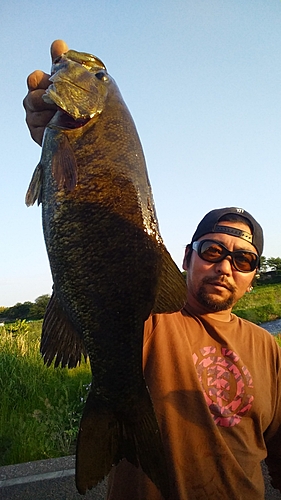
[224, 267]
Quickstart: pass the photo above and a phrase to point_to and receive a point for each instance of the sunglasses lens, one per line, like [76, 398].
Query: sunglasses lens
[245, 261]
[212, 251]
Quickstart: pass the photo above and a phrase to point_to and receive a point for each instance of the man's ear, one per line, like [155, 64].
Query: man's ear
[186, 258]
[251, 286]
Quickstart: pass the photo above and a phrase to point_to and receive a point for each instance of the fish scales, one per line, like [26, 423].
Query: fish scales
[109, 265]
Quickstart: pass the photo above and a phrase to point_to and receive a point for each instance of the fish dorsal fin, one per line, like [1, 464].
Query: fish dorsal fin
[60, 341]
[64, 167]
[34, 191]
[171, 294]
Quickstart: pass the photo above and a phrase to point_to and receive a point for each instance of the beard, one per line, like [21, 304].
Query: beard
[212, 302]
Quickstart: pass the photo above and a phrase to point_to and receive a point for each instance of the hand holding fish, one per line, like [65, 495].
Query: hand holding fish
[38, 112]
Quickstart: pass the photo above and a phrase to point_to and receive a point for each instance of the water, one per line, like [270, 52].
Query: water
[273, 327]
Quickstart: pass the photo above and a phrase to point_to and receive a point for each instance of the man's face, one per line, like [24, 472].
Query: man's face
[218, 286]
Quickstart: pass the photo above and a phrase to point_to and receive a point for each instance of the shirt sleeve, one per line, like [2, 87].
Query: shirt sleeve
[273, 433]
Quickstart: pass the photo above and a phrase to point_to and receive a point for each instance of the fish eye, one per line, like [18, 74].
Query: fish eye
[101, 75]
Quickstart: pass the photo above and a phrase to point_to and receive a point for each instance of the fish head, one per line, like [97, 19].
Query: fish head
[79, 86]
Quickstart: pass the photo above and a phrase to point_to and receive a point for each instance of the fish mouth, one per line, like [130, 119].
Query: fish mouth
[63, 120]
[79, 101]
[79, 86]
[89, 61]
[63, 79]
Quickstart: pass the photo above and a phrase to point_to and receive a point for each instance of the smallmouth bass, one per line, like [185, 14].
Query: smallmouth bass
[109, 265]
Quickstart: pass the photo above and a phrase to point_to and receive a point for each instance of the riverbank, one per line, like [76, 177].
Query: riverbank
[262, 305]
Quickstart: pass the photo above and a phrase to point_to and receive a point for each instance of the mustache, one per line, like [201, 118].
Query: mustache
[219, 280]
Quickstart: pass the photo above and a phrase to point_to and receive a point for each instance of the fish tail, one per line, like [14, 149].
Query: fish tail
[107, 437]
[96, 447]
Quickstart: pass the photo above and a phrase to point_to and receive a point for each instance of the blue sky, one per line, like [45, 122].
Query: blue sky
[202, 79]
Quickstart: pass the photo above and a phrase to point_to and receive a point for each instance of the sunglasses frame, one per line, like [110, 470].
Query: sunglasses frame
[197, 245]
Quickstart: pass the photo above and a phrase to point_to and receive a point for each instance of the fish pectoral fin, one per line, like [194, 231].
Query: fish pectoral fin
[34, 191]
[64, 167]
[171, 293]
[60, 342]
[106, 437]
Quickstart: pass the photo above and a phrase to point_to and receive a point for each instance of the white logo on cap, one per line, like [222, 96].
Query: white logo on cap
[240, 210]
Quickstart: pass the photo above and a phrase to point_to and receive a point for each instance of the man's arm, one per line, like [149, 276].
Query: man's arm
[273, 433]
[39, 113]
[273, 460]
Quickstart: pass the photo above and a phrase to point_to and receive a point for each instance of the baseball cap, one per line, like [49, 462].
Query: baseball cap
[210, 224]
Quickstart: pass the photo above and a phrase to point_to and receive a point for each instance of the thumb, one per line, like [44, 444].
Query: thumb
[58, 47]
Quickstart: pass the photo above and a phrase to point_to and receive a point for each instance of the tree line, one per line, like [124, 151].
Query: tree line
[26, 310]
[270, 264]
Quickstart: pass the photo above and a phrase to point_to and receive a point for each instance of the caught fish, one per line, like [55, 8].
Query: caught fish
[109, 265]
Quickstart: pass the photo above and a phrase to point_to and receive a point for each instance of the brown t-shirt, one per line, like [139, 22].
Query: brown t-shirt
[216, 389]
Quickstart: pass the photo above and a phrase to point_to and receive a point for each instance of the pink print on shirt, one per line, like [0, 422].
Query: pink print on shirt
[227, 384]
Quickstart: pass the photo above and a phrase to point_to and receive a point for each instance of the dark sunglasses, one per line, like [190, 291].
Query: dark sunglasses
[214, 251]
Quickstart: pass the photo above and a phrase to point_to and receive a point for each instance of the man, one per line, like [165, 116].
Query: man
[214, 378]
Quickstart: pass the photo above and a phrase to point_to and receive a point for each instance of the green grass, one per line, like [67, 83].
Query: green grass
[262, 304]
[278, 339]
[40, 407]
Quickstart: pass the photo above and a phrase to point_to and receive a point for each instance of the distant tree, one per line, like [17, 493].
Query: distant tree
[263, 264]
[274, 263]
[39, 306]
[19, 311]
[3, 312]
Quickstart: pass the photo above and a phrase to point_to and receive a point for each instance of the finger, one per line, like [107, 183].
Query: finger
[36, 133]
[38, 80]
[37, 122]
[58, 47]
[34, 120]
[33, 101]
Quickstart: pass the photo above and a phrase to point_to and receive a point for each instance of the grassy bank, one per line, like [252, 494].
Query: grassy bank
[40, 407]
[260, 305]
